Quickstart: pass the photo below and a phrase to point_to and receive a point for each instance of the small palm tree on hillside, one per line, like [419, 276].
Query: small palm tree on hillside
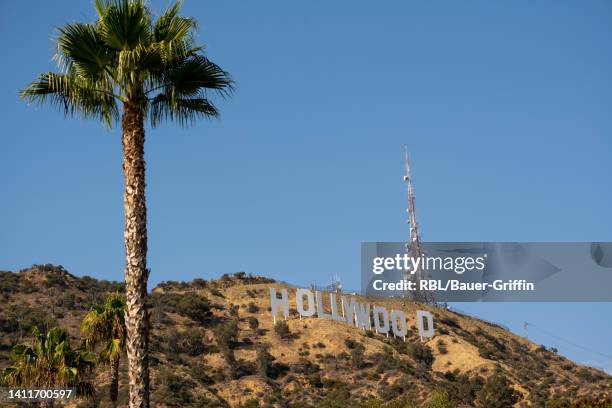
[127, 66]
[50, 362]
[105, 325]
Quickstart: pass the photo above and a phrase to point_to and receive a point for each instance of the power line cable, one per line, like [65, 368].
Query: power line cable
[569, 341]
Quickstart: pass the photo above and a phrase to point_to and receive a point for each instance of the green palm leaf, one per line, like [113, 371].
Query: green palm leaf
[48, 361]
[127, 56]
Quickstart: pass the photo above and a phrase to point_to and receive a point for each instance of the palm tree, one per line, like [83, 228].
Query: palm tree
[105, 324]
[50, 362]
[151, 69]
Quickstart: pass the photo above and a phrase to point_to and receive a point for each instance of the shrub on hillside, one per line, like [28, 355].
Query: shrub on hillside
[189, 305]
[253, 322]
[449, 321]
[251, 403]
[199, 283]
[14, 283]
[21, 320]
[281, 328]
[403, 402]
[350, 343]
[233, 310]
[172, 389]
[226, 334]
[421, 353]
[195, 307]
[263, 360]
[496, 393]
[252, 307]
[200, 373]
[216, 292]
[440, 400]
[338, 398]
[357, 355]
[462, 388]
[403, 387]
[442, 347]
[590, 375]
[189, 341]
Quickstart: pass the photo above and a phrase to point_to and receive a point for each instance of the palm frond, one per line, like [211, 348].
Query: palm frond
[48, 360]
[81, 48]
[126, 56]
[172, 27]
[185, 111]
[124, 24]
[73, 95]
[105, 324]
[199, 73]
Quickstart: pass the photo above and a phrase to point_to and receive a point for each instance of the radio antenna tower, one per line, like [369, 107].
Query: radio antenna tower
[414, 248]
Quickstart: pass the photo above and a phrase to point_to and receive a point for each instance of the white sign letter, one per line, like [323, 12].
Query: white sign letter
[334, 308]
[300, 293]
[397, 316]
[320, 310]
[421, 314]
[362, 313]
[282, 302]
[381, 327]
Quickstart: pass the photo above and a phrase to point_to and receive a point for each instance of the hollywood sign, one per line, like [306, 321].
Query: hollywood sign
[351, 312]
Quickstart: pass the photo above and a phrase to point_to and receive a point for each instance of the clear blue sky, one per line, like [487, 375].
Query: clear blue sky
[505, 106]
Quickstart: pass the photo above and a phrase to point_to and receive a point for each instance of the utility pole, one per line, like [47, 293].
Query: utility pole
[414, 248]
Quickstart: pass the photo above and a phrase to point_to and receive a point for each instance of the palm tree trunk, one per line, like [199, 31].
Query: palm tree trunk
[136, 273]
[114, 379]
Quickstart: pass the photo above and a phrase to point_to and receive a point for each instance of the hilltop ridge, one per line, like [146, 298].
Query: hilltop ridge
[213, 343]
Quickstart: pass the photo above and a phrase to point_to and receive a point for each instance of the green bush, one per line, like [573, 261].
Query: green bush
[194, 307]
[496, 393]
[252, 307]
[172, 389]
[199, 283]
[281, 328]
[226, 334]
[23, 319]
[253, 322]
[14, 283]
[315, 380]
[339, 398]
[189, 341]
[442, 347]
[190, 305]
[439, 400]
[216, 292]
[350, 343]
[421, 353]
[200, 373]
[462, 388]
[252, 403]
[357, 355]
[263, 360]
[233, 310]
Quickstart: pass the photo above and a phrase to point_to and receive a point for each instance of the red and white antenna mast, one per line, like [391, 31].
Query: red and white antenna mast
[414, 248]
[414, 244]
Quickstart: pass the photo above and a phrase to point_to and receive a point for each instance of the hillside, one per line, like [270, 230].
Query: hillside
[213, 343]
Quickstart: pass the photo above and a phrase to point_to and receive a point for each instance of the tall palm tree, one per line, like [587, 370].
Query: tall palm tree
[105, 324]
[151, 69]
[50, 362]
